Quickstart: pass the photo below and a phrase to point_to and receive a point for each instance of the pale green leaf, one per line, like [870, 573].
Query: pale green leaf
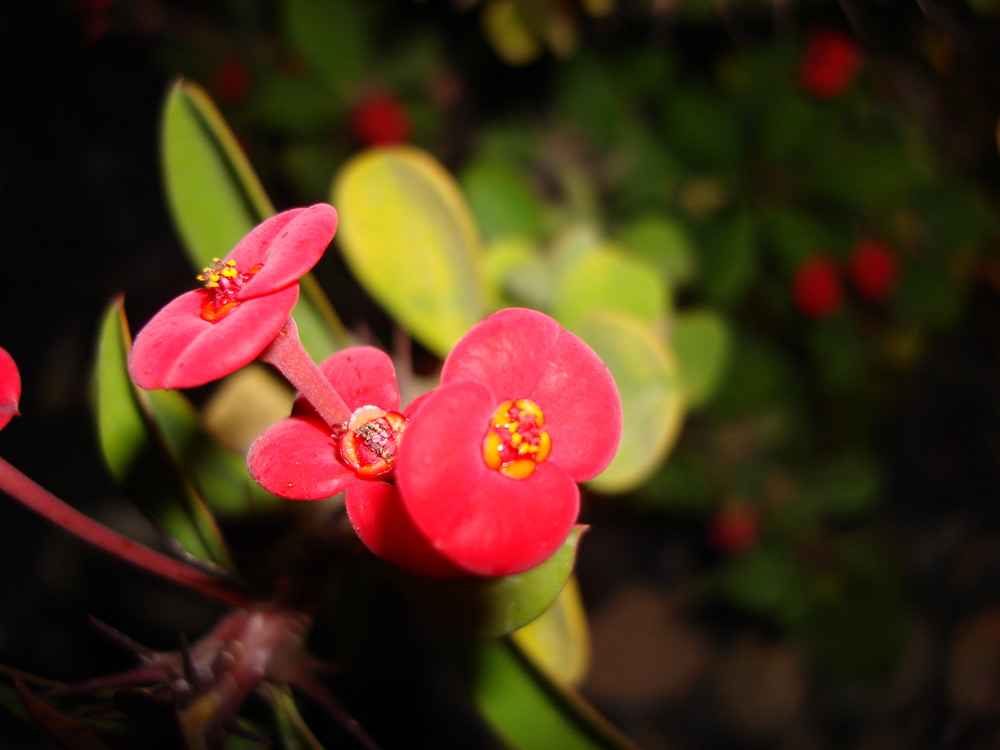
[409, 237]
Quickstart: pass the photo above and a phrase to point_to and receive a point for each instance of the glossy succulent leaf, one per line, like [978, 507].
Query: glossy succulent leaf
[700, 340]
[530, 711]
[410, 239]
[607, 278]
[489, 607]
[216, 199]
[558, 641]
[652, 401]
[137, 452]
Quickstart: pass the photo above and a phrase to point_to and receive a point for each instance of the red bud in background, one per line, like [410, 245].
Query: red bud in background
[816, 288]
[873, 269]
[828, 64]
[380, 120]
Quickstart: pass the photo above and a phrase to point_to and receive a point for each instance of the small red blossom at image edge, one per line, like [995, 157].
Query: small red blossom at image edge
[829, 63]
[873, 269]
[734, 529]
[10, 388]
[380, 120]
[816, 288]
[208, 333]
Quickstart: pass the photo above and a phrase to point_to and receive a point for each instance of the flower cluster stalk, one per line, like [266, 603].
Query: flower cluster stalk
[290, 358]
[43, 502]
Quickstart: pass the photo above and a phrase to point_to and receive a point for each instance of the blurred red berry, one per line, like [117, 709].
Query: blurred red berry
[734, 529]
[828, 64]
[380, 120]
[816, 288]
[873, 268]
[231, 81]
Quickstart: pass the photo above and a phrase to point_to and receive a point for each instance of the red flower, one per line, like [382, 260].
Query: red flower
[380, 120]
[208, 333]
[488, 465]
[816, 288]
[734, 529]
[828, 65]
[10, 388]
[872, 268]
[301, 458]
[231, 80]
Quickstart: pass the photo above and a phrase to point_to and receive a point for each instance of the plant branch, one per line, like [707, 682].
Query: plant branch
[287, 354]
[43, 502]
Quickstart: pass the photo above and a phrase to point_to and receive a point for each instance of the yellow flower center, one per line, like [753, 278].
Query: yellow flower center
[515, 442]
[369, 441]
[224, 280]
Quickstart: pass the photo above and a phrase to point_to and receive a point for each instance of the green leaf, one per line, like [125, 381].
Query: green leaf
[136, 450]
[558, 641]
[489, 607]
[213, 192]
[333, 37]
[663, 242]
[700, 340]
[502, 200]
[606, 278]
[529, 710]
[652, 406]
[410, 239]
[729, 258]
[515, 265]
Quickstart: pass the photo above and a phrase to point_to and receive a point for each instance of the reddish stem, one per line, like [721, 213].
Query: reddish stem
[43, 502]
[287, 354]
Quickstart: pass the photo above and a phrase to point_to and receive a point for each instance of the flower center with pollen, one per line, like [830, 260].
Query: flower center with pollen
[369, 441]
[224, 280]
[515, 442]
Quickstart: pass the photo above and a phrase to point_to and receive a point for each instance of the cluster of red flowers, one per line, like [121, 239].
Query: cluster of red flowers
[477, 477]
[817, 289]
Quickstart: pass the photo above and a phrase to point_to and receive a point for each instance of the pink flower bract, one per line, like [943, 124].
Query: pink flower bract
[488, 465]
[10, 388]
[298, 458]
[208, 333]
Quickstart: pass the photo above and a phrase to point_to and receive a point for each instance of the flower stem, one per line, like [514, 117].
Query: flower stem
[287, 354]
[43, 502]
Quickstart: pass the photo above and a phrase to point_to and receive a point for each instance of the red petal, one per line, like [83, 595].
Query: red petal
[506, 352]
[10, 388]
[288, 245]
[523, 353]
[178, 349]
[363, 375]
[382, 523]
[582, 407]
[296, 458]
[484, 522]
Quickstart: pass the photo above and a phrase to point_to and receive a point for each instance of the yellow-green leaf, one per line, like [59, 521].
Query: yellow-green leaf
[410, 239]
[652, 406]
[136, 451]
[700, 340]
[532, 712]
[558, 641]
[489, 607]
